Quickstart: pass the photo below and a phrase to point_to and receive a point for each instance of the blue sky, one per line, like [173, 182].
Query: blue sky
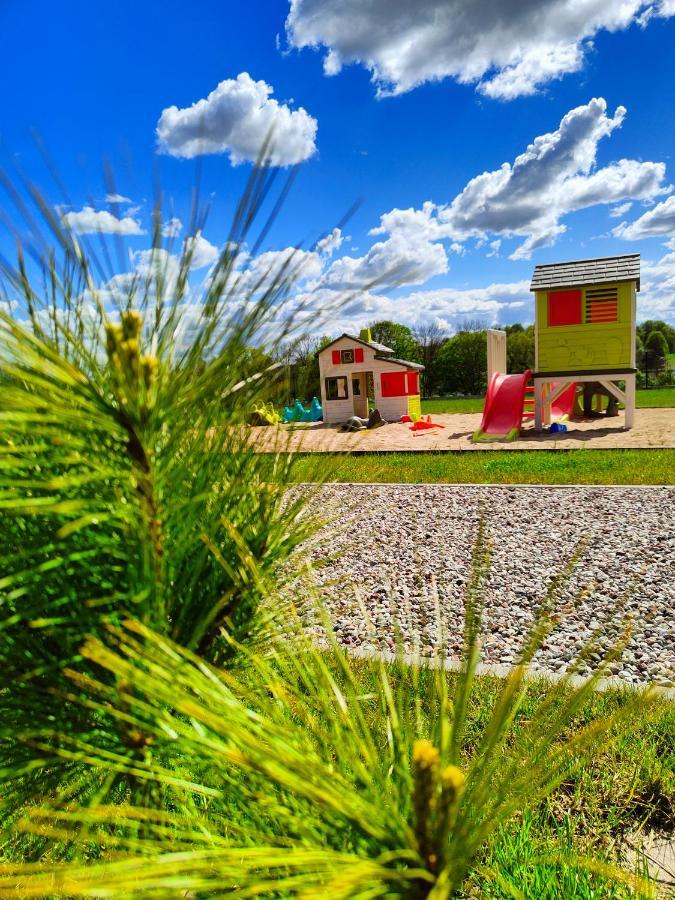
[422, 116]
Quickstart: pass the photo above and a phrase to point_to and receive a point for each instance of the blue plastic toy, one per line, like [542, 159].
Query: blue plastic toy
[556, 427]
[315, 412]
[298, 413]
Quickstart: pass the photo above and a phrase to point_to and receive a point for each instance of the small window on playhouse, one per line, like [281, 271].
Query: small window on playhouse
[347, 357]
[393, 384]
[356, 387]
[336, 388]
[564, 308]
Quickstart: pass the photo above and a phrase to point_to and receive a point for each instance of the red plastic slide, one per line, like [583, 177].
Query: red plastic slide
[503, 410]
[564, 404]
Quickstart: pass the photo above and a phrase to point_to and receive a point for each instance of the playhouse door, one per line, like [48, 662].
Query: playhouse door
[360, 395]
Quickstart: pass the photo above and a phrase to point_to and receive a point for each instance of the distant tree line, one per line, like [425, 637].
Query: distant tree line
[457, 363]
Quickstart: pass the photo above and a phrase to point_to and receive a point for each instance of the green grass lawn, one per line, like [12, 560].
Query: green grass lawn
[452, 405]
[495, 467]
[643, 400]
[656, 397]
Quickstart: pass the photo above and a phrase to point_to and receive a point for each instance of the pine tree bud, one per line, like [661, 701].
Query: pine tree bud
[132, 322]
[113, 336]
[425, 755]
[452, 781]
[149, 368]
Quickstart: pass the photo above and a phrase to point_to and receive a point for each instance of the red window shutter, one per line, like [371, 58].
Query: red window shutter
[393, 384]
[358, 354]
[564, 308]
[412, 383]
[336, 357]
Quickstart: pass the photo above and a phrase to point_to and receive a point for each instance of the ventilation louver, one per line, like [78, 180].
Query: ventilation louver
[601, 305]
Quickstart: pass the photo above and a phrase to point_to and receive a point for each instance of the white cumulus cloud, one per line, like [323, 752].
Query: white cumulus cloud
[617, 211]
[656, 299]
[509, 48]
[92, 221]
[656, 222]
[236, 118]
[172, 227]
[117, 198]
[499, 302]
[554, 176]
[332, 242]
[397, 260]
[411, 253]
[260, 272]
[445, 307]
[203, 252]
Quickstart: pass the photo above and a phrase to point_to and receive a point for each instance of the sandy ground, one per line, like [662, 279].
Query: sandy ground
[653, 428]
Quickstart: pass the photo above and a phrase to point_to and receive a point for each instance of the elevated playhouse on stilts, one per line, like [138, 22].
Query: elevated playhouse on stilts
[584, 333]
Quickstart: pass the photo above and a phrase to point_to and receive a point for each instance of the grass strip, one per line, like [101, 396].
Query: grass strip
[493, 467]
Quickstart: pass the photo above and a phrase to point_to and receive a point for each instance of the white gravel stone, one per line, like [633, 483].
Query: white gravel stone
[396, 561]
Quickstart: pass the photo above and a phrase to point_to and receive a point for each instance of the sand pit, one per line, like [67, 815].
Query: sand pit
[654, 429]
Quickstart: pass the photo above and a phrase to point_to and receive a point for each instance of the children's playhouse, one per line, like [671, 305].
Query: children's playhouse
[354, 370]
[585, 313]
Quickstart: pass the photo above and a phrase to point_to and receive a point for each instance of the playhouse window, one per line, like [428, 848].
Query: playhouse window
[393, 384]
[356, 387]
[564, 308]
[336, 388]
[347, 357]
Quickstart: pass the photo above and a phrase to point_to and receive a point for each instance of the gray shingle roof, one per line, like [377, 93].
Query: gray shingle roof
[587, 271]
[401, 362]
[379, 348]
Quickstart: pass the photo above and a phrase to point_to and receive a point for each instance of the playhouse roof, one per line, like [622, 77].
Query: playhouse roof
[381, 352]
[587, 271]
[402, 362]
[378, 348]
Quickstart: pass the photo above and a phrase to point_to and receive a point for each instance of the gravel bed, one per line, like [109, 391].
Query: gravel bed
[397, 557]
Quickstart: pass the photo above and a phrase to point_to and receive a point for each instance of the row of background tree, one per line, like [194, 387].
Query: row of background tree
[457, 363]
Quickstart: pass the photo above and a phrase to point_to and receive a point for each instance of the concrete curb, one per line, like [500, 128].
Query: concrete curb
[458, 451]
[481, 484]
[611, 682]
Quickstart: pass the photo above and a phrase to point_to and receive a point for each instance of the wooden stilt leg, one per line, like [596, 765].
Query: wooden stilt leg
[630, 401]
[546, 401]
